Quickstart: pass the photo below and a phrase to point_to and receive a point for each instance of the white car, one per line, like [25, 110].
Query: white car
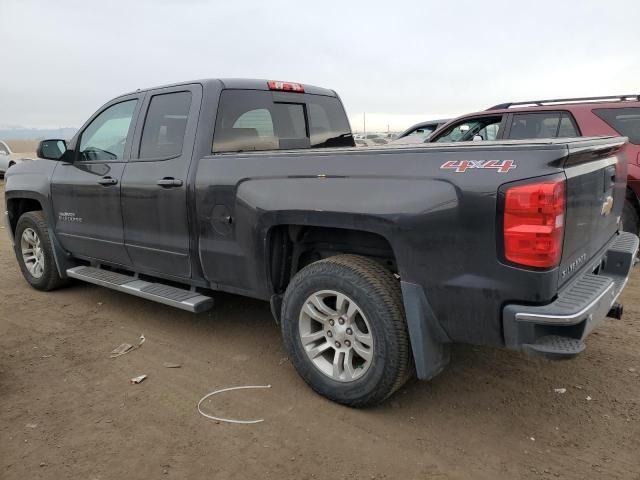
[7, 158]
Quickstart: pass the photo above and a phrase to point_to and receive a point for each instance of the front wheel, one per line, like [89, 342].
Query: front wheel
[344, 329]
[34, 252]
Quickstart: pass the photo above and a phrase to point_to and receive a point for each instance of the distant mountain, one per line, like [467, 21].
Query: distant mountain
[20, 133]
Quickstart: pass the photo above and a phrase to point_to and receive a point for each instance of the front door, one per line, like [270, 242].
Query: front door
[155, 183]
[86, 189]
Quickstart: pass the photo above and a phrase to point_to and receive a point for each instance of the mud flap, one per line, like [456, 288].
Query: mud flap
[429, 342]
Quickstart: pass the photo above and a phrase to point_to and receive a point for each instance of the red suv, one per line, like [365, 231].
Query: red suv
[568, 117]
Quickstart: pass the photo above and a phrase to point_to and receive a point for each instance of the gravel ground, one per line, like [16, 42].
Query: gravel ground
[69, 411]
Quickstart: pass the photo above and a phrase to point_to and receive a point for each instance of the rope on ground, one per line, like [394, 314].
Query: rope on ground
[228, 420]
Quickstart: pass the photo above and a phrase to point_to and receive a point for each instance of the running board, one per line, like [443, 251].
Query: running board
[188, 300]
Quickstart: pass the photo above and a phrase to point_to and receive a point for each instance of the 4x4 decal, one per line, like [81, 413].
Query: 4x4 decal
[461, 166]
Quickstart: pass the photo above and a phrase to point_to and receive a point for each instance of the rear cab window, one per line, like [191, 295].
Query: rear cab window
[625, 121]
[255, 120]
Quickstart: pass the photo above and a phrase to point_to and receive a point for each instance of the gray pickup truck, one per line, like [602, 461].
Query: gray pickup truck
[374, 260]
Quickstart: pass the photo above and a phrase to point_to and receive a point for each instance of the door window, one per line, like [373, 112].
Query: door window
[483, 128]
[534, 125]
[3, 151]
[165, 125]
[105, 137]
[542, 125]
[567, 128]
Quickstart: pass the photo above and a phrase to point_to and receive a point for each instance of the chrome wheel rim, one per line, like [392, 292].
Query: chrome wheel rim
[32, 253]
[336, 336]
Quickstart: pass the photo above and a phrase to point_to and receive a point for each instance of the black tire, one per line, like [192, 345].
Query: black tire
[630, 220]
[50, 280]
[377, 292]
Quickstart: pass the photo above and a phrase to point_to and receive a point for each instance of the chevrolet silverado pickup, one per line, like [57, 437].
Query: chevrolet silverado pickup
[374, 260]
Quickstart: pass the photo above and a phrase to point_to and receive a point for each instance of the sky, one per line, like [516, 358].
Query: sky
[400, 62]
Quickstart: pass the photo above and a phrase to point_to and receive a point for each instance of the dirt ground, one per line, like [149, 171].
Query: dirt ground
[67, 410]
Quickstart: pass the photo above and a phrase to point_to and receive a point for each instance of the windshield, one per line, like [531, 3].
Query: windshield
[485, 128]
[422, 132]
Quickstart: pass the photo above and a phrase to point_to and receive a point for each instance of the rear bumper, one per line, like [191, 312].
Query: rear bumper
[559, 328]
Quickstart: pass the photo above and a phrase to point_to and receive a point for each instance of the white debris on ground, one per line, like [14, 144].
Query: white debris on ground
[127, 347]
[138, 379]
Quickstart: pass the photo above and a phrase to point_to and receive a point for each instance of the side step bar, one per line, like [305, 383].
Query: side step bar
[188, 300]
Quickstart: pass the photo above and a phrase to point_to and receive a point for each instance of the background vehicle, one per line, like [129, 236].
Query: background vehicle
[364, 254]
[561, 118]
[371, 139]
[420, 132]
[7, 159]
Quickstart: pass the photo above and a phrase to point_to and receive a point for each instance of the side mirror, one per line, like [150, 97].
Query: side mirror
[51, 149]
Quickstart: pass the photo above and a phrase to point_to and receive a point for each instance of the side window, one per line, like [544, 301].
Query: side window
[3, 151]
[484, 128]
[567, 128]
[490, 132]
[534, 125]
[165, 125]
[625, 121]
[106, 135]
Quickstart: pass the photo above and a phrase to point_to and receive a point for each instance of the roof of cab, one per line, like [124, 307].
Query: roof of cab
[240, 84]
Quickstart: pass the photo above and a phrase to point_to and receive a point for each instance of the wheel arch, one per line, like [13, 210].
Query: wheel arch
[18, 203]
[290, 247]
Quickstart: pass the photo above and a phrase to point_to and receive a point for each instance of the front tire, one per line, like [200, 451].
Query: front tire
[344, 328]
[34, 252]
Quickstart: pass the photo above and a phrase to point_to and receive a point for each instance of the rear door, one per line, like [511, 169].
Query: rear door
[86, 191]
[155, 182]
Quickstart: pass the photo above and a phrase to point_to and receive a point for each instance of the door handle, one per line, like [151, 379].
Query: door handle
[169, 182]
[108, 181]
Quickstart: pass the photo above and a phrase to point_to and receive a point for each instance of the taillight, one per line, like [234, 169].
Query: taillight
[285, 86]
[534, 223]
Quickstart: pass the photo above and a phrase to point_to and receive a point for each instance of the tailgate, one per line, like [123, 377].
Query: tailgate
[596, 182]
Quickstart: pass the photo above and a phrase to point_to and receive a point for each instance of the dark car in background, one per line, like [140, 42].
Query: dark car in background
[561, 118]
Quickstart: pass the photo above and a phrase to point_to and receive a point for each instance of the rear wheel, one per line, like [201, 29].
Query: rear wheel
[630, 220]
[34, 252]
[344, 329]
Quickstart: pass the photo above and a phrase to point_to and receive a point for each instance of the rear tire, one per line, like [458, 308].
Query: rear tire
[34, 252]
[630, 220]
[359, 327]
